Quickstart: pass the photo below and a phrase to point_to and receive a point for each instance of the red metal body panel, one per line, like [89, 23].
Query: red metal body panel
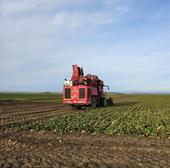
[74, 95]
[94, 91]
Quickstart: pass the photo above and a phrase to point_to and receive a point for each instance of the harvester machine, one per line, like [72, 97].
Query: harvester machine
[84, 90]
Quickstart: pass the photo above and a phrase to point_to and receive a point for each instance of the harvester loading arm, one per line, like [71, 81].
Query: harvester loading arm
[77, 73]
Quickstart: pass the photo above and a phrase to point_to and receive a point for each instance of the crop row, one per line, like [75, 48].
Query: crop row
[18, 115]
[146, 117]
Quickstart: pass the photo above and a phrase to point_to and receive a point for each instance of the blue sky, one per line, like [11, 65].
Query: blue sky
[125, 42]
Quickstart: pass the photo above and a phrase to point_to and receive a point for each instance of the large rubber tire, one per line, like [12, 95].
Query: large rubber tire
[110, 101]
[79, 107]
[104, 102]
[94, 102]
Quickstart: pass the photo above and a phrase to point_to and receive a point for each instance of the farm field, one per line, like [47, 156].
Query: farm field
[36, 130]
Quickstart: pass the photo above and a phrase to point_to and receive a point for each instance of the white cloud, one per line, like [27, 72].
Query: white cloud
[41, 39]
[70, 14]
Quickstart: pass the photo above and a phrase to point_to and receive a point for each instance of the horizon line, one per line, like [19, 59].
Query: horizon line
[118, 92]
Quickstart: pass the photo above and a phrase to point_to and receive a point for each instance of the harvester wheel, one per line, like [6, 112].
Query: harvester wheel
[94, 102]
[109, 101]
[104, 102]
[79, 107]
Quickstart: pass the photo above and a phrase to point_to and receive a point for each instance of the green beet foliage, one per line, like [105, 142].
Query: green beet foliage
[143, 115]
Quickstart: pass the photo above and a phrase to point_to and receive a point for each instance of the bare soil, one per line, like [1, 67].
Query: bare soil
[22, 148]
[18, 112]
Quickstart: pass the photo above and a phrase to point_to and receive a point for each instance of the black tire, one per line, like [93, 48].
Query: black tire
[94, 102]
[79, 107]
[104, 102]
